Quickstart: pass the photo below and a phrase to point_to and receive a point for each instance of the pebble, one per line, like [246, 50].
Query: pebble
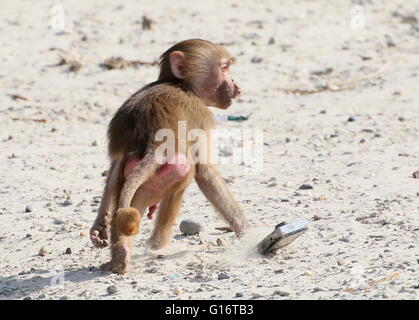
[88, 177]
[342, 262]
[305, 187]
[351, 119]
[83, 234]
[239, 295]
[281, 293]
[178, 291]
[223, 276]
[316, 218]
[68, 251]
[111, 289]
[43, 252]
[229, 180]
[256, 295]
[28, 208]
[190, 227]
[221, 242]
[344, 239]
[65, 298]
[67, 202]
[256, 60]
[416, 174]
[151, 270]
[308, 273]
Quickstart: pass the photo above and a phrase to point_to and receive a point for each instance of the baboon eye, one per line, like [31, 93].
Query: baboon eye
[224, 67]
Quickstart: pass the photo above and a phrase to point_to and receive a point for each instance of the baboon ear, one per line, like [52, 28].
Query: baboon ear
[178, 64]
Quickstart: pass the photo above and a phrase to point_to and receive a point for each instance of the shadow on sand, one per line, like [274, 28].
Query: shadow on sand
[14, 287]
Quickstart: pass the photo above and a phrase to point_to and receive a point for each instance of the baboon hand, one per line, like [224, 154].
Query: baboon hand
[99, 235]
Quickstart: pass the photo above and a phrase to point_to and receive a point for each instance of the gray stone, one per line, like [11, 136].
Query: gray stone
[223, 276]
[112, 289]
[190, 227]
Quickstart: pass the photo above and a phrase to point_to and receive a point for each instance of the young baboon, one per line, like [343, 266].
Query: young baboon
[194, 74]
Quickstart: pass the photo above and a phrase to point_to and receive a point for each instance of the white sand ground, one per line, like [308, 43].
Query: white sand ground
[363, 211]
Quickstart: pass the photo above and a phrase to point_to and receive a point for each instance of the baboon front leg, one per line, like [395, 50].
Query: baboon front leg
[216, 191]
[99, 232]
[168, 211]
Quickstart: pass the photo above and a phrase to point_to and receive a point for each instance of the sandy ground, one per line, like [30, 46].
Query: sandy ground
[307, 68]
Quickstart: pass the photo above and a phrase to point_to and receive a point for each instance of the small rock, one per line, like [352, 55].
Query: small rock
[239, 295]
[319, 198]
[316, 218]
[256, 295]
[83, 234]
[305, 187]
[229, 180]
[43, 252]
[64, 298]
[344, 239]
[223, 276]
[28, 208]
[178, 291]
[151, 270]
[88, 177]
[308, 273]
[271, 41]
[281, 293]
[58, 221]
[67, 202]
[190, 227]
[342, 262]
[256, 60]
[27, 298]
[351, 119]
[221, 242]
[111, 289]
[416, 174]
[94, 144]
[68, 251]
